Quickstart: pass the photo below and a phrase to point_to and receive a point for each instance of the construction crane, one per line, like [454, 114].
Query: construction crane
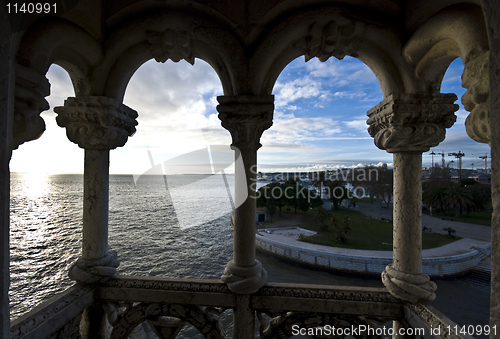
[485, 157]
[432, 154]
[459, 156]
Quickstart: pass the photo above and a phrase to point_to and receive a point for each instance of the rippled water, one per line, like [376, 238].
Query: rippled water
[46, 223]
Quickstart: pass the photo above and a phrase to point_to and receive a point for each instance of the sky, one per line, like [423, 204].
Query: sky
[319, 120]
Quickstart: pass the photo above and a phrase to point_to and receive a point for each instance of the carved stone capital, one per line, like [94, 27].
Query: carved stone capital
[334, 38]
[244, 280]
[96, 122]
[477, 98]
[246, 118]
[411, 122]
[408, 287]
[30, 92]
[171, 44]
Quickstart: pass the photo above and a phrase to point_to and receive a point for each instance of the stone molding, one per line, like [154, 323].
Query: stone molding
[419, 316]
[477, 98]
[246, 117]
[59, 315]
[411, 122]
[408, 287]
[184, 285]
[96, 122]
[171, 44]
[30, 92]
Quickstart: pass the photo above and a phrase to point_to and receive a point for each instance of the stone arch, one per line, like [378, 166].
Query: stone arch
[327, 32]
[457, 31]
[48, 41]
[61, 42]
[168, 35]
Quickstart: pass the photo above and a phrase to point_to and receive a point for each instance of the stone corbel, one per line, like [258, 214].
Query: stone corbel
[477, 98]
[30, 92]
[96, 122]
[411, 122]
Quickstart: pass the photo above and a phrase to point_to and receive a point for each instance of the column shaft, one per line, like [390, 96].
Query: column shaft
[243, 318]
[407, 213]
[244, 215]
[95, 204]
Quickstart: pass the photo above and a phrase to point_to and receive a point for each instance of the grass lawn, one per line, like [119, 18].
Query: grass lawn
[367, 234]
[477, 218]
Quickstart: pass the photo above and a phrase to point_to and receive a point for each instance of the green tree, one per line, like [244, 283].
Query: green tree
[459, 197]
[337, 192]
[320, 217]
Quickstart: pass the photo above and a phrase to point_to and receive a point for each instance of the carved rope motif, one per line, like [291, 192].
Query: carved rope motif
[30, 92]
[411, 122]
[171, 44]
[96, 122]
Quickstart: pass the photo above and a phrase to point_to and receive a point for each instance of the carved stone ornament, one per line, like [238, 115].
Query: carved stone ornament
[281, 326]
[246, 118]
[408, 287]
[173, 45]
[92, 271]
[244, 280]
[411, 122]
[161, 317]
[96, 122]
[334, 38]
[30, 92]
[477, 98]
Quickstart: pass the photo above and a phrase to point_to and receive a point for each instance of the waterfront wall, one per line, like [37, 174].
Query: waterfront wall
[434, 267]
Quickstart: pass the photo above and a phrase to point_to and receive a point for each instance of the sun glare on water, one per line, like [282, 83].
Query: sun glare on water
[36, 184]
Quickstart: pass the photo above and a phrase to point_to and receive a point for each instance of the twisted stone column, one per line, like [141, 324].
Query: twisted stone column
[246, 118]
[96, 124]
[407, 125]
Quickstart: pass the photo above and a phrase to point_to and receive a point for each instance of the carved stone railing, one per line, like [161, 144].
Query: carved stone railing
[163, 306]
[59, 317]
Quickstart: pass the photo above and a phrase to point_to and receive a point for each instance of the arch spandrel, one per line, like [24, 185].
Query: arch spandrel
[169, 35]
[46, 42]
[327, 32]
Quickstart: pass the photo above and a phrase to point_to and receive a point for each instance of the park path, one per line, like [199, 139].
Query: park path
[464, 230]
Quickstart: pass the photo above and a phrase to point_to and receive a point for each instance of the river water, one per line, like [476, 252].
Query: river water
[176, 226]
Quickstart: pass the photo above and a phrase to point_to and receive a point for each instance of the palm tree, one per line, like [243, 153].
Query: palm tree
[459, 197]
[436, 197]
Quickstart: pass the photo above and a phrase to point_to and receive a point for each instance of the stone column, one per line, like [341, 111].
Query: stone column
[407, 125]
[246, 118]
[6, 113]
[492, 15]
[96, 124]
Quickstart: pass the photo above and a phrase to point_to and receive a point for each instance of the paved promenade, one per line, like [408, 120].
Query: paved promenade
[472, 235]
